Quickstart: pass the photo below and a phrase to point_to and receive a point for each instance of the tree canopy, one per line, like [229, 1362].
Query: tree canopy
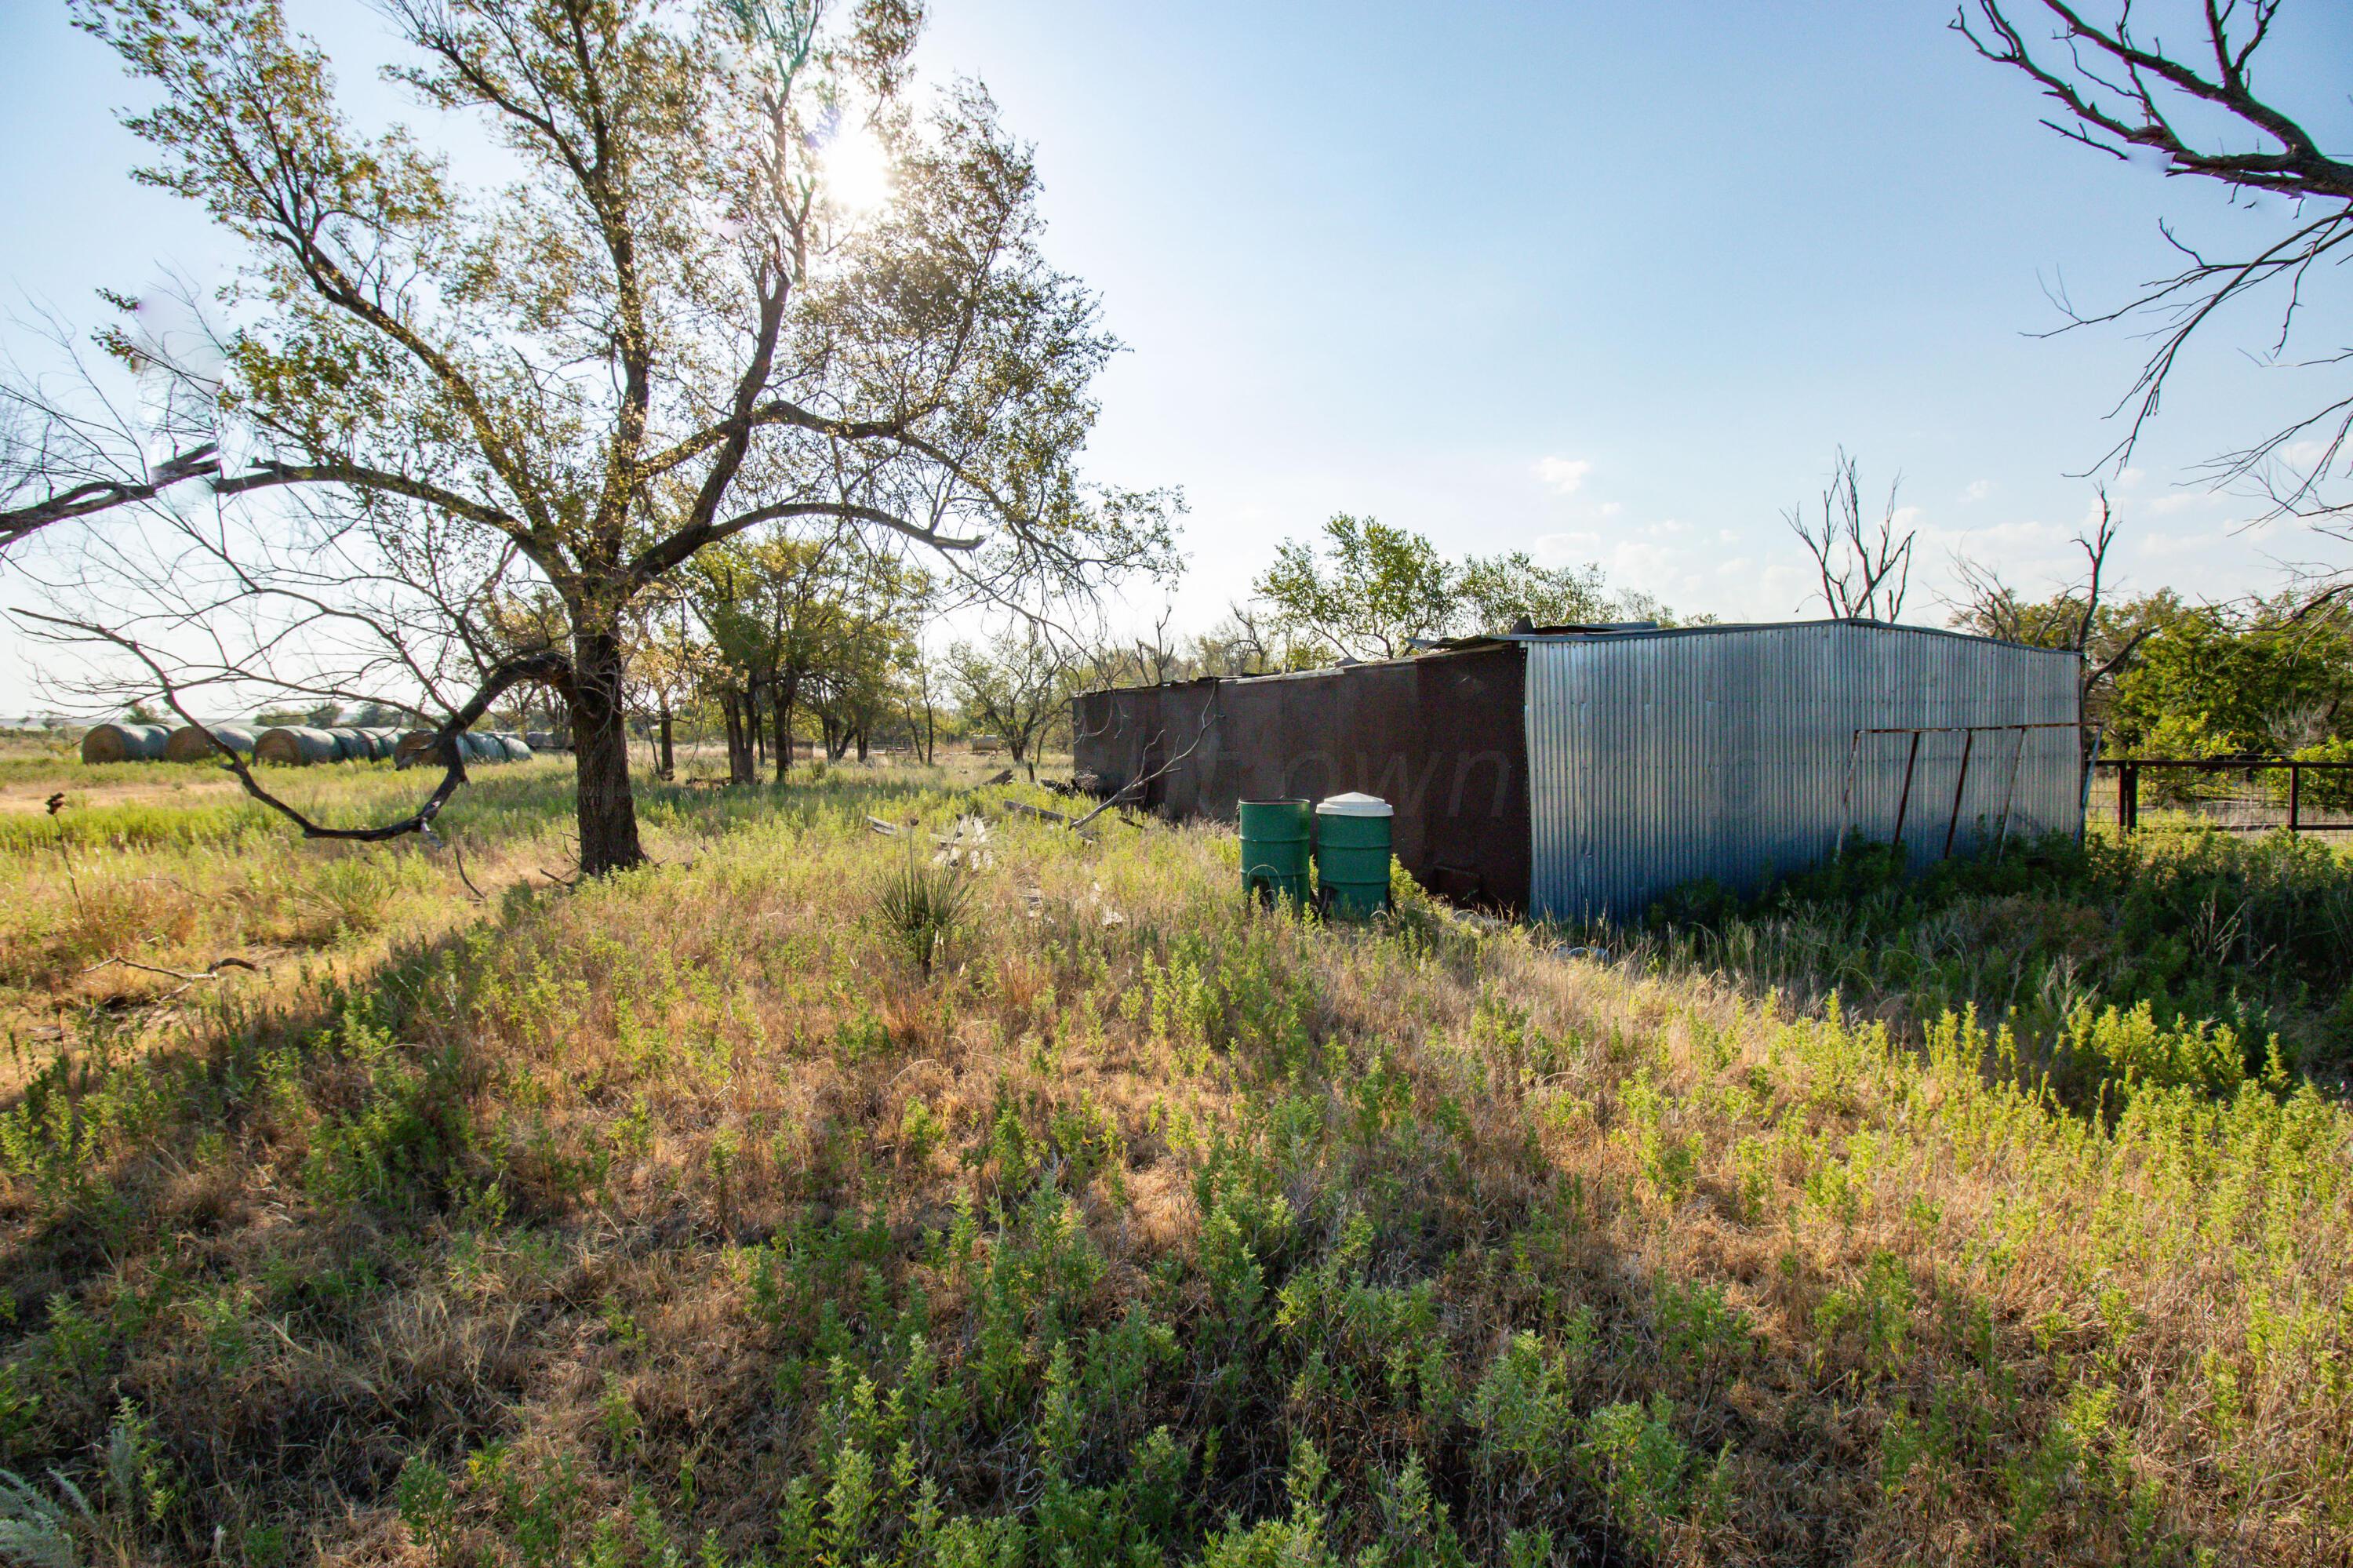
[666, 331]
[1368, 589]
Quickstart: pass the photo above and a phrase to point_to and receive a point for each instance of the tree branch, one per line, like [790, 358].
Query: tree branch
[102, 495]
[546, 667]
[658, 559]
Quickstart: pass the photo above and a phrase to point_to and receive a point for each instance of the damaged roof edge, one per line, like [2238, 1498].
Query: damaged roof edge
[1623, 631]
[1706, 629]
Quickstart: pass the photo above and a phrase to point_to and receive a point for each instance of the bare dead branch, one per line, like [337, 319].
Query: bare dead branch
[1134, 787]
[1864, 572]
[2118, 96]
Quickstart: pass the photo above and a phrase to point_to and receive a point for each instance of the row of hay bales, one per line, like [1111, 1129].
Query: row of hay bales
[146, 742]
[494, 745]
[294, 746]
[299, 746]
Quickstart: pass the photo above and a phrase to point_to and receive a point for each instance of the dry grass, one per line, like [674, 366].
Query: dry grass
[684, 1213]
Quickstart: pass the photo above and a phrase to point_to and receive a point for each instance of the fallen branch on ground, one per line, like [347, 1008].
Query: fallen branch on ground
[185, 977]
[1132, 787]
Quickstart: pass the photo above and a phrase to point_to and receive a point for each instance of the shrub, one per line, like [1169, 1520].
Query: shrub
[1643, 1471]
[920, 906]
[1522, 1407]
[2133, 1048]
[2328, 790]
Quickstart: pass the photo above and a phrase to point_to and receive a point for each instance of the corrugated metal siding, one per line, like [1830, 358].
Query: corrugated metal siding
[1657, 759]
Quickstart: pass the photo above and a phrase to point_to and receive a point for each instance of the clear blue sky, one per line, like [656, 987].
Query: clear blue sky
[1605, 282]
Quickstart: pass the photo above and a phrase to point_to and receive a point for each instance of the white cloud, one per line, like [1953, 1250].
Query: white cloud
[2163, 545]
[1979, 489]
[1563, 474]
[1612, 508]
[1559, 548]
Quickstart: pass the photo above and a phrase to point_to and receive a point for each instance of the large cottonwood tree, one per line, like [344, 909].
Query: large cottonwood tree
[668, 326]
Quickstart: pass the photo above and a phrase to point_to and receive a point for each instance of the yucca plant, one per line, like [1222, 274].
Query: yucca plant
[921, 904]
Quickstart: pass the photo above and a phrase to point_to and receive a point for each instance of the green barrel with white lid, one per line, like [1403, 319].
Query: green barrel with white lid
[1275, 838]
[1352, 855]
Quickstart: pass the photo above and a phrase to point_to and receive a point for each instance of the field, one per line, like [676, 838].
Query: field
[796, 1201]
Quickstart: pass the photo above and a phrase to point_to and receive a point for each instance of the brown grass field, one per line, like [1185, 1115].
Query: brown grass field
[713, 1215]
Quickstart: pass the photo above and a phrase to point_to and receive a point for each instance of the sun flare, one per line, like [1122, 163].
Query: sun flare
[855, 168]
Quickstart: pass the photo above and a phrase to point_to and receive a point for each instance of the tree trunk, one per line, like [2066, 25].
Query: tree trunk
[739, 745]
[861, 743]
[669, 757]
[607, 811]
[784, 734]
[751, 719]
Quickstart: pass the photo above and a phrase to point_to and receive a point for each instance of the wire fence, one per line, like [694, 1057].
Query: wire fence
[2235, 794]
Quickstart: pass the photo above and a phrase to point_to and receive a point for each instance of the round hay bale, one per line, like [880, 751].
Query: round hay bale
[350, 745]
[540, 739]
[191, 744]
[483, 748]
[387, 741]
[518, 748]
[297, 745]
[124, 743]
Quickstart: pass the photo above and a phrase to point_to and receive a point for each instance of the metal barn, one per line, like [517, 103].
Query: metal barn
[1582, 773]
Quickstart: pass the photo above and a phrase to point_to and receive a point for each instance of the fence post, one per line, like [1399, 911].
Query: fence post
[2294, 797]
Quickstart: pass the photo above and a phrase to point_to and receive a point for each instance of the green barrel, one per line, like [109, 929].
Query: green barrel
[1274, 849]
[1352, 855]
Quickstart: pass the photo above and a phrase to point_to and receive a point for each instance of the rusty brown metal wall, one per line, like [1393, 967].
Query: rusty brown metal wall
[1441, 737]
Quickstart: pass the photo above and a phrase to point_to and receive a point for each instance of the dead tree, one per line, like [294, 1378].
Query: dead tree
[2069, 619]
[1864, 571]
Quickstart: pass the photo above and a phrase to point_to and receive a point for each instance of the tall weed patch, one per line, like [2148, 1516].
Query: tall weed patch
[686, 1216]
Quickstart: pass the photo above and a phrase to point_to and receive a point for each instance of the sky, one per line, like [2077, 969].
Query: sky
[1605, 283]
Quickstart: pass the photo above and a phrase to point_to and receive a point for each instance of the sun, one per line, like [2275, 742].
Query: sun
[855, 170]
